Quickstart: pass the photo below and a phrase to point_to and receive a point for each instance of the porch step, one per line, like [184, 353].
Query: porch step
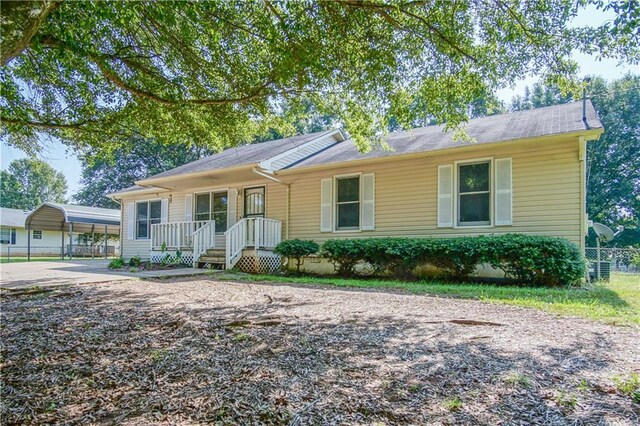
[212, 259]
[216, 252]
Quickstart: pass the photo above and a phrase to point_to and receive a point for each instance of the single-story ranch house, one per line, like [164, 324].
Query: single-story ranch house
[524, 172]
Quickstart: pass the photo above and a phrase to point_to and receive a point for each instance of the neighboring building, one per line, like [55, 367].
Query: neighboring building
[50, 237]
[13, 236]
[524, 172]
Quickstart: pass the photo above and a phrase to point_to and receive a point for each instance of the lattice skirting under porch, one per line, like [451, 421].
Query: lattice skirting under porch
[170, 256]
[259, 262]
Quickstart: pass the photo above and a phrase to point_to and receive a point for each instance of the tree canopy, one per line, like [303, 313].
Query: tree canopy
[29, 182]
[613, 162]
[104, 173]
[216, 73]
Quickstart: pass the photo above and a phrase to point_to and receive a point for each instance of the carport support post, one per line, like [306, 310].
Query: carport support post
[70, 240]
[62, 244]
[105, 241]
[28, 244]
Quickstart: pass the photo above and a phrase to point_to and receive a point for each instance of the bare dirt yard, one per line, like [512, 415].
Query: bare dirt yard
[198, 351]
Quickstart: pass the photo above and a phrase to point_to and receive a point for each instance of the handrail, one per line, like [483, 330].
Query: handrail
[204, 238]
[174, 235]
[235, 242]
[254, 232]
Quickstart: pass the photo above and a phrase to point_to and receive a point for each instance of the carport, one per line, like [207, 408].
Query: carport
[70, 218]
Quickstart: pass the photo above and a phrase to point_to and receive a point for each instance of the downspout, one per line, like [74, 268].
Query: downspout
[287, 198]
[582, 154]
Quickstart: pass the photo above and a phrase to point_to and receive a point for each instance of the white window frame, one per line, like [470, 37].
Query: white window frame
[456, 192]
[211, 192]
[135, 217]
[11, 230]
[334, 203]
[39, 233]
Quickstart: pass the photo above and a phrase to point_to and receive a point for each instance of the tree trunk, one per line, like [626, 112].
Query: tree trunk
[20, 22]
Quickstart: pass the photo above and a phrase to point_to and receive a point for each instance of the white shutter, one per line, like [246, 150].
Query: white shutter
[326, 201]
[188, 208]
[445, 196]
[164, 210]
[503, 198]
[131, 220]
[368, 202]
[232, 207]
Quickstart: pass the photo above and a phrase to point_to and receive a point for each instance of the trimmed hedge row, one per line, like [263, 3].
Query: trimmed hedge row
[535, 260]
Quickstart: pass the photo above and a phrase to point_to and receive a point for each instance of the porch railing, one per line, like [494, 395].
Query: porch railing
[204, 238]
[256, 232]
[174, 235]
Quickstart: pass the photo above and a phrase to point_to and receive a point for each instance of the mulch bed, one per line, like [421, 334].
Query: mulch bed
[199, 351]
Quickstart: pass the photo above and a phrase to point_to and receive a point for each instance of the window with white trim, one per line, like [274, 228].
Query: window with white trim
[147, 214]
[37, 235]
[347, 203]
[474, 194]
[213, 206]
[5, 235]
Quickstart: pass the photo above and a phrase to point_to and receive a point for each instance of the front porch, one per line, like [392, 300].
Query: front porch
[244, 244]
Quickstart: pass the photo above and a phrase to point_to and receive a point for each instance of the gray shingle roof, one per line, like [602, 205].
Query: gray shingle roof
[238, 156]
[13, 218]
[552, 120]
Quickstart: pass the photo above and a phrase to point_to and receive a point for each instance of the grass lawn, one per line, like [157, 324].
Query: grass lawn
[616, 302]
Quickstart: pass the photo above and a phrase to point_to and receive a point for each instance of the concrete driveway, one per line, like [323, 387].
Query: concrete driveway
[29, 274]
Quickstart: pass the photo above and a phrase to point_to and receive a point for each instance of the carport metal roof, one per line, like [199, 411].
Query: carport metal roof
[60, 217]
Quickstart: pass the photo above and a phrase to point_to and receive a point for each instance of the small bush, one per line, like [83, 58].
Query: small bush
[135, 261]
[297, 249]
[535, 260]
[117, 263]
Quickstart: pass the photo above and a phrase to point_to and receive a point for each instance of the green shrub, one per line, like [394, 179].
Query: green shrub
[135, 261]
[535, 260]
[116, 263]
[635, 261]
[297, 249]
[344, 254]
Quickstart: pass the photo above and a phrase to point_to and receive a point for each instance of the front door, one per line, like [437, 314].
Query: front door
[254, 206]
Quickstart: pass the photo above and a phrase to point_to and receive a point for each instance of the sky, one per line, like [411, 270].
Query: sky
[63, 159]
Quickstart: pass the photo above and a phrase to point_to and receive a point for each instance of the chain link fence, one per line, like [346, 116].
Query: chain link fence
[614, 259]
[10, 252]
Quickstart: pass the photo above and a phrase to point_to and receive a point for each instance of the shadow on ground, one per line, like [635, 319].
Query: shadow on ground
[91, 355]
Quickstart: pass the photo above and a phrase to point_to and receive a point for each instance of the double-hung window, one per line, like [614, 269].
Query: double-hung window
[213, 206]
[7, 235]
[347, 203]
[37, 235]
[147, 214]
[474, 194]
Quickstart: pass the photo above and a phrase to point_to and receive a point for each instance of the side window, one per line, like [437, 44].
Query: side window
[147, 214]
[5, 236]
[37, 235]
[347, 201]
[474, 194]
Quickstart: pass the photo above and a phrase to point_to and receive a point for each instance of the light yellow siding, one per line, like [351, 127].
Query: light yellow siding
[546, 188]
[545, 184]
[275, 209]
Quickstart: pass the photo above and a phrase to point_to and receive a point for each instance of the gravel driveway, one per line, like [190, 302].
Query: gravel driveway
[202, 351]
